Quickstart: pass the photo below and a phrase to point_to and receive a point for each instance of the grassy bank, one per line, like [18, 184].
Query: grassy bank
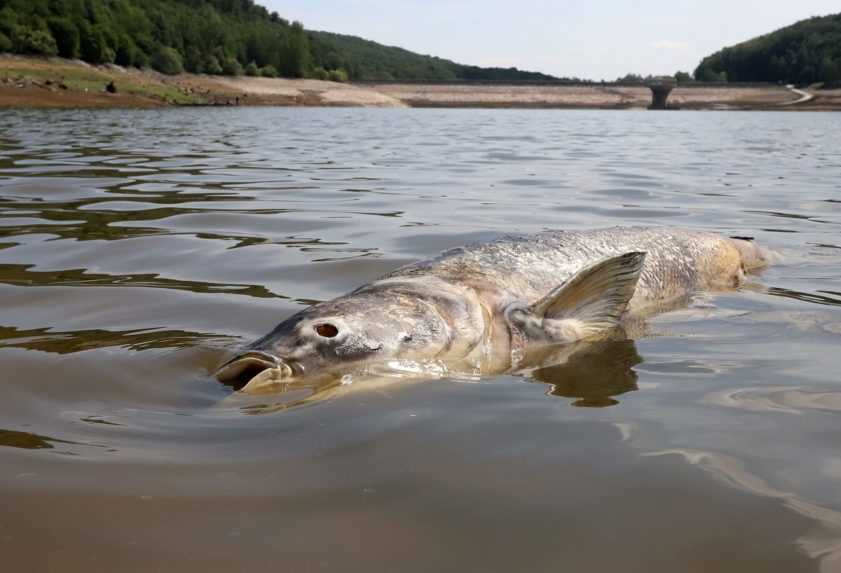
[56, 82]
[59, 83]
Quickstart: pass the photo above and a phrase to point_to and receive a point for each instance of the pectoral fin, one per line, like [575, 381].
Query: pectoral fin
[589, 303]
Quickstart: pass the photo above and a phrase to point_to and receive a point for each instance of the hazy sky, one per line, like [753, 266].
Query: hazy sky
[600, 39]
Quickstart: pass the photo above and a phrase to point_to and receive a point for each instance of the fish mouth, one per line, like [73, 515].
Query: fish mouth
[254, 371]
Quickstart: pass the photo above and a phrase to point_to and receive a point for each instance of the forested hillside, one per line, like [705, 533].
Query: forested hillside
[806, 52]
[366, 60]
[227, 37]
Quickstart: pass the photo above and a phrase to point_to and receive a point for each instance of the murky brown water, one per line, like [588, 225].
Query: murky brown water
[137, 248]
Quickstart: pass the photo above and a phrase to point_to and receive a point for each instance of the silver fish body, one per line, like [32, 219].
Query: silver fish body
[481, 307]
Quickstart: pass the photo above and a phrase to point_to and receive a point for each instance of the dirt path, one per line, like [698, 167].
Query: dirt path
[804, 96]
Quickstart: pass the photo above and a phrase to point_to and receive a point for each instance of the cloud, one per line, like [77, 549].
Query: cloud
[669, 45]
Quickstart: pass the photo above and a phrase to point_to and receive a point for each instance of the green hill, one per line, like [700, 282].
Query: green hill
[366, 60]
[803, 53]
[227, 37]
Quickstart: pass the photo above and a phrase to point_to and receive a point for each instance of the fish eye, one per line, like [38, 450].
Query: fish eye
[326, 330]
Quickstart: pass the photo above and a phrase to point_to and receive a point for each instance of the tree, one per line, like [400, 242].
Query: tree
[252, 70]
[339, 75]
[268, 71]
[127, 52]
[30, 41]
[296, 60]
[683, 77]
[634, 79]
[231, 67]
[92, 45]
[706, 74]
[66, 36]
[830, 71]
[777, 69]
[8, 21]
[211, 66]
[167, 61]
[807, 75]
[194, 61]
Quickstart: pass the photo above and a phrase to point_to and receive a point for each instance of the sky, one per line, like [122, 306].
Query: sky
[599, 39]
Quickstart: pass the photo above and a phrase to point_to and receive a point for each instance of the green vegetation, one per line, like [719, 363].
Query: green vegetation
[269, 72]
[366, 60]
[632, 79]
[201, 36]
[803, 53]
[228, 37]
[82, 79]
[167, 61]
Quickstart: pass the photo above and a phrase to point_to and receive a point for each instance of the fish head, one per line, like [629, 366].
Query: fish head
[337, 337]
[753, 256]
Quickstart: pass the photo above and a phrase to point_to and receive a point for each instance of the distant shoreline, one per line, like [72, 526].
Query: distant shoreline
[56, 83]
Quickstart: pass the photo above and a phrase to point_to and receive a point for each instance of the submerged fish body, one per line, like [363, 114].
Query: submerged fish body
[482, 308]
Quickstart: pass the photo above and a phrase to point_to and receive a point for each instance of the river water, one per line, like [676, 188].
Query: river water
[138, 248]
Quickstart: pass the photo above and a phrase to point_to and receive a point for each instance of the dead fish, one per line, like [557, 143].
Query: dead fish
[482, 308]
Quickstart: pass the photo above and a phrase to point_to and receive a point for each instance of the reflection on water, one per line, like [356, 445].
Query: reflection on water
[22, 275]
[594, 374]
[821, 297]
[777, 399]
[45, 340]
[26, 440]
[733, 473]
[139, 249]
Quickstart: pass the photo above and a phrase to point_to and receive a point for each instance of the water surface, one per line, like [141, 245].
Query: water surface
[137, 248]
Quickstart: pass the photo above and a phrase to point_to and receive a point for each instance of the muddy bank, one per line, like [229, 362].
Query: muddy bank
[823, 100]
[585, 97]
[54, 82]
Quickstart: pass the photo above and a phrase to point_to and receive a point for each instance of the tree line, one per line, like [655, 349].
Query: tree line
[366, 60]
[200, 36]
[803, 53]
[226, 37]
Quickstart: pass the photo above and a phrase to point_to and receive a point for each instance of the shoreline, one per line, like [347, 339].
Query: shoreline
[28, 82]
